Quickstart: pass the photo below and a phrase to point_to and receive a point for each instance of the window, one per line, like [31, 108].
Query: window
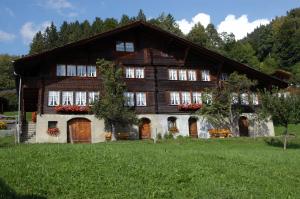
[255, 99]
[172, 74]
[185, 97]
[207, 98]
[129, 98]
[197, 98]
[81, 98]
[81, 71]
[182, 75]
[61, 70]
[172, 123]
[71, 70]
[93, 96]
[244, 99]
[223, 76]
[129, 47]
[141, 99]
[139, 73]
[192, 75]
[174, 98]
[235, 98]
[120, 46]
[91, 71]
[205, 75]
[53, 98]
[52, 124]
[129, 72]
[67, 98]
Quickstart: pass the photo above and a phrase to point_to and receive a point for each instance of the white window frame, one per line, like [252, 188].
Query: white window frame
[93, 96]
[60, 70]
[91, 71]
[81, 71]
[205, 74]
[129, 99]
[141, 99]
[120, 46]
[53, 98]
[173, 74]
[80, 98]
[182, 75]
[139, 73]
[174, 98]
[71, 70]
[196, 98]
[129, 46]
[192, 75]
[185, 97]
[255, 100]
[67, 96]
[129, 72]
[244, 99]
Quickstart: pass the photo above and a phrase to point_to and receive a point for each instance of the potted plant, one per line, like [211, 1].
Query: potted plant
[72, 109]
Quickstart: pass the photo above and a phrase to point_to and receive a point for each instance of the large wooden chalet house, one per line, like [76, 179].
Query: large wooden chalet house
[161, 71]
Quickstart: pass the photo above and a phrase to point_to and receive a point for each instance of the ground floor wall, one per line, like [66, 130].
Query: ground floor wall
[159, 124]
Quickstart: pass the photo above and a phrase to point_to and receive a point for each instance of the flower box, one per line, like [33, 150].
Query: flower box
[53, 131]
[189, 107]
[72, 109]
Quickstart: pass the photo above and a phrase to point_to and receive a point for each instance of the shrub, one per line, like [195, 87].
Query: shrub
[159, 136]
[168, 135]
[3, 125]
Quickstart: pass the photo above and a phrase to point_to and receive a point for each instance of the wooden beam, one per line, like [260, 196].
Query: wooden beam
[187, 50]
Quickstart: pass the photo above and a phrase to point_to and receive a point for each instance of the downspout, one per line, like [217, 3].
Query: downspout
[19, 120]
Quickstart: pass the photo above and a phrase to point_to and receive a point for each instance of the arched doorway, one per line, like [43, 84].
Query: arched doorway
[79, 130]
[145, 128]
[193, 130]
[243, 126]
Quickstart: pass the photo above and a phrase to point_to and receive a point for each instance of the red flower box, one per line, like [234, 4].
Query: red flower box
[189, 107]
[53, 131]
[72, 109]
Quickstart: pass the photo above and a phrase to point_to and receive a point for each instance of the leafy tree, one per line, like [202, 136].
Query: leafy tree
[198, 35]
[214, 39]
[110, 106]
[7, 79]
[225, 107]
[284, 109]
[38, 43]
[168, 23]
[269, 65]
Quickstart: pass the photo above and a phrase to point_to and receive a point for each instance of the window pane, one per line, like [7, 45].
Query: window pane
[244, 99]
[61, 70]
[53, 98]
[129, 72]
[185, 97]
[71, 70]
[139, 73]
[120, 46]
[174, 98]
[93, 96]
[81, 71]
[197, 98]
[205, 75]
[129, 47]
[172, 74]
[182, 75]
[91, 71]
[141, 99]
[129, 98]
[192, 75]
[67, 98]
[255, 99]
[224, 76]
[81, 98]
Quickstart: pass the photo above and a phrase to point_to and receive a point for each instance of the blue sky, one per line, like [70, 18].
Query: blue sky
[20, 19]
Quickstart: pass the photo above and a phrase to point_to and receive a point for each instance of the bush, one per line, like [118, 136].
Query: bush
[168, 136]
[159, 136]
[3, 125]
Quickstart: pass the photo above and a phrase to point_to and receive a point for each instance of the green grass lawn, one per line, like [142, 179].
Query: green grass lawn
[292, 128]
[182, 168]
[15, 113]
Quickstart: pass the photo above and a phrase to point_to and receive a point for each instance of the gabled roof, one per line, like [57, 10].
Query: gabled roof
[181, 40]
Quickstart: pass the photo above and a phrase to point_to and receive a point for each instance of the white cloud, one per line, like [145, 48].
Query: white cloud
[29, 29]
[4, 36]
[10, 12]
[240, 26]
[186, 25]
[58, 4]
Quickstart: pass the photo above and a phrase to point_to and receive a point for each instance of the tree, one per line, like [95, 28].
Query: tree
[225, 107]
[168, 23]
[214, 39]
[141, 15]
[124, 20]
[97, 26]
[198, 35]
[51, 37]
[86, 29]
[38, 43]
[7, 79]
[110, 106]
[110, 23]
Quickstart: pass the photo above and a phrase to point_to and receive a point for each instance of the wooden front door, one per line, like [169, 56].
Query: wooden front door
[79, 130]
[193, 128]
[243, 126]
[145, 129]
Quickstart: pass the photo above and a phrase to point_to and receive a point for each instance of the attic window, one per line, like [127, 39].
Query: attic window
[124, 46]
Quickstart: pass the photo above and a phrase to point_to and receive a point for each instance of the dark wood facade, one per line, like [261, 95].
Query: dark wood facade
[156, 51]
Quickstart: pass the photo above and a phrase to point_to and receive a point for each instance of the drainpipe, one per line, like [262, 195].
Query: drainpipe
[19, 120]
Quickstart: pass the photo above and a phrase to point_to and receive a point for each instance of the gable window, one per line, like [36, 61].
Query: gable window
[93, 97]
[67, 98]
[61, 70]
[124, 46]
[197, 98]
[129, 72]
[141, 99]
[91, 71]
[205, 75]
[129, 47]
[172, 74]
[191, 75]
[53, 98]
[223, 76]
[182, 75]
[185, 97]
[139, 73]
[71, 70]
[81, 71]
[129, 99]
[120, 46]
[81, 98]
[174, 98]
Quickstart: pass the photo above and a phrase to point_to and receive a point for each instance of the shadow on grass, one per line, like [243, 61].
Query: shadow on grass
[278, 142]
[8, 193]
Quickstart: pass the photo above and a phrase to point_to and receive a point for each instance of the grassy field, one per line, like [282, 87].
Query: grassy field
[182, 168]
[292, 128]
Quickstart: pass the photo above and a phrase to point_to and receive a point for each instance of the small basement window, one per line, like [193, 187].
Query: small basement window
[52, 124]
